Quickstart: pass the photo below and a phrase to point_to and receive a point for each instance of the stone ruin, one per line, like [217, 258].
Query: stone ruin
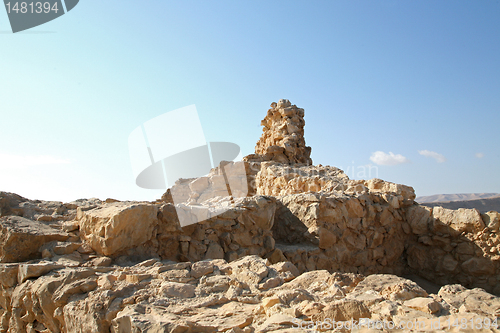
[306, 244]
[282, 139]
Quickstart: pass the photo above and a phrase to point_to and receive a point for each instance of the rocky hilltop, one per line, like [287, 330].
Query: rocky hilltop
[292, 247]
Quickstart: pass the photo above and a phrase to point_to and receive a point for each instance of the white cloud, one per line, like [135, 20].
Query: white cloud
[381, 158]
[438, 157]
[479, 155]
[9, 161]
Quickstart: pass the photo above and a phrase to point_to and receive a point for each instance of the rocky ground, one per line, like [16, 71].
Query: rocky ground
[246, 295]
[301, 248]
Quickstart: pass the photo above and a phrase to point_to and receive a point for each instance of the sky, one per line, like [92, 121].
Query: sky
[406, 91]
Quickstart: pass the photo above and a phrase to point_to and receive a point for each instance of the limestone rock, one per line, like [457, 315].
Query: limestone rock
[287, 270]
[378, 185]
[391, 287]
[251, 269]
[230, 179]
[223, 298]
[243, 229]
[492, 220]
[180, 290]
[278, 179]
[118, 226]
[304, 280]
[9, 204]
[479, 267]
[471, 300]
[419, 218]
[425, 304]
[362, 234]
[343, 310]
[457, 221]
[8, 275]
[38, 210]
[200, 268]
[21, 239]
[27, 271]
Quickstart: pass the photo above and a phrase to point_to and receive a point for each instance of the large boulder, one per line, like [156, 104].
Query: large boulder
[450, 221]
[406, 193]
[474, 300]
[9, 203]
[116, 227]
[419, 217]
[21, 239]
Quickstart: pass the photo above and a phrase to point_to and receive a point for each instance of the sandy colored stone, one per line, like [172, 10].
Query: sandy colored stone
[251, 269]
[425, 304]
[288, 270]
[136, 278]
[27, 271]
[419, 218]
[175, 289]
[391, 287]
[270, 301]
[21, 239]
[492, 220]
[343, 310]
[200, 268]
[282, 139]
[118, 226]
[474, 300]
[457, 221]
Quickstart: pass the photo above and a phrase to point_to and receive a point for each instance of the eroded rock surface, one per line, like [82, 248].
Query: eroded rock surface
[21, 239]
[246, 295]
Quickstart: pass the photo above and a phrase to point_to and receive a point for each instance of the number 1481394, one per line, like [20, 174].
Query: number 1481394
[31, 7]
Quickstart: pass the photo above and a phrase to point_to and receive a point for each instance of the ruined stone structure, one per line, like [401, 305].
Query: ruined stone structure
[282, 139]
[307, 243]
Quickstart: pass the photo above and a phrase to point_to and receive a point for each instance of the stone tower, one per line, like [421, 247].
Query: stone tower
[282, 139]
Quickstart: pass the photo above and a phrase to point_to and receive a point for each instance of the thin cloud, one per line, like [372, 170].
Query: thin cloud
[438, 157]
[479, 155]
[9, 161]
[381, 158]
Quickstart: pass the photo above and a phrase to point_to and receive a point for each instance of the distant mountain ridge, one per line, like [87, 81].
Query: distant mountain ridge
[484, 202]
[455, 197]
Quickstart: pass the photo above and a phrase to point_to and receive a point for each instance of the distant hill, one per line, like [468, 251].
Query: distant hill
[484, 202]
[455, 197]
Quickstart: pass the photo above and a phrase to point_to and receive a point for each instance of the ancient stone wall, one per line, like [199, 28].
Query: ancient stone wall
[244, 229]
[383, 232]
[146, 230]
[455, 246]
[324, 220]
[361, 234]
[277, 179]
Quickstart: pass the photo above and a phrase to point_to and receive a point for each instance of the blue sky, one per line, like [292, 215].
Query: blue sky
[410, 88]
